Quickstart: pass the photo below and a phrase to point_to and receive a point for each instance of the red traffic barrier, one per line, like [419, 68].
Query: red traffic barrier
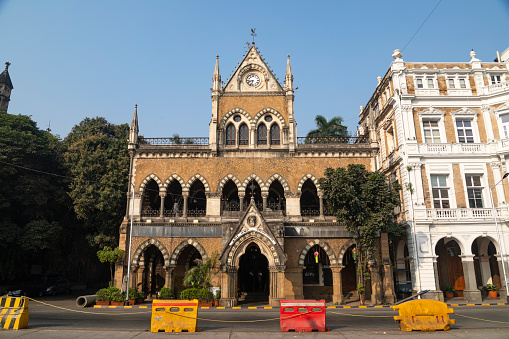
[302, 315]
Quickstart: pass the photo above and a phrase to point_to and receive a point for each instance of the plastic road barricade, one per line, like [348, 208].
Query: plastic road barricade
[13, 312]
[174, 315]
[302, 315]
[424, 315]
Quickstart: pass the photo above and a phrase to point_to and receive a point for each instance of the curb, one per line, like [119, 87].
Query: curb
[276, 307]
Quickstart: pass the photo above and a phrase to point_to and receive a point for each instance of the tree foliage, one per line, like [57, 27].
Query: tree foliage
[34, 207]
[97, 158]
[200, 276]
[328, 128]
[111, 256]
[364, 202]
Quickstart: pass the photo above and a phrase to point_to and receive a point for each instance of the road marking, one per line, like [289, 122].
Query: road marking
[347, 306]
[267, 307]
[485, 304]
[204, 307]
[221, 307]
[112, 306]
[455, 304]
[331, 306]
[379, 306]
[143, 306]
[470, 304]
[128, 307]
[252, 307]
[363, 306]
[236, 308]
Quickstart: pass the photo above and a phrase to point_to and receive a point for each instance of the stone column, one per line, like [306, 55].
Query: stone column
[439, 295]
[502, 291]
[484, 265]
[293, 206]
[168, 280]
[140, 277]
[162, 194]
[294, 275]
[229, 288]
[337, 285]
[471, 292]
[320, 199]
[499, 189]
[376, 284]
[264, 198]
[276, 280]
[185, 195]
[388, 277]
[241, 200]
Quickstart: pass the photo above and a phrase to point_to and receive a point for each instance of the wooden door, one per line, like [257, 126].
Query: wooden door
[455, 271]
[349, 278]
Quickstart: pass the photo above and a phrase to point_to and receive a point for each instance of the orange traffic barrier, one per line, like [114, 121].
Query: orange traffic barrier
[302, 315]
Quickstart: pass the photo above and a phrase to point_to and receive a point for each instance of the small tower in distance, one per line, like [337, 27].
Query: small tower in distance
[5, 88]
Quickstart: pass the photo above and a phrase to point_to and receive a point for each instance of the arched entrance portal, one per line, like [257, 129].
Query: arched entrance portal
[485, 262]
[186, 260]
[253, 276]
[450, 267]
[155, 274]
[348, 274]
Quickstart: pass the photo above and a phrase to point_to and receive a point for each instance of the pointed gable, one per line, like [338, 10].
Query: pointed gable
[253, 75]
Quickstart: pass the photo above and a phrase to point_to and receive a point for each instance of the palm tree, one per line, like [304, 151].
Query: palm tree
[327, 128]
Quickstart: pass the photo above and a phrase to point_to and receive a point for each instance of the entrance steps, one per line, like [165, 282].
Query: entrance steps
[253, 298]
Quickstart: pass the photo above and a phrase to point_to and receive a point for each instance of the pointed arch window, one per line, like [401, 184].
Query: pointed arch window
[243, 135]
[262, 134]
[274, 134]
[230, 134]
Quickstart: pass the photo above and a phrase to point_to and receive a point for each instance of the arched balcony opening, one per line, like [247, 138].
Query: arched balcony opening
[197, 200]
[253, 190]
[309, 202]
[173, 203]
[151, 202]
[276, 200]
[230, 197]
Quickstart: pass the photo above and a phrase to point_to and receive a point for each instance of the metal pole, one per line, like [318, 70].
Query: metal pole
[501, 241]
[130, 242]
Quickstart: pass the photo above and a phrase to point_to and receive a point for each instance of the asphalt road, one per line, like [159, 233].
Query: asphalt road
[69, 320]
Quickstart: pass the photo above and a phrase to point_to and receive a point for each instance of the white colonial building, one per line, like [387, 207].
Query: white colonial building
[443, 131]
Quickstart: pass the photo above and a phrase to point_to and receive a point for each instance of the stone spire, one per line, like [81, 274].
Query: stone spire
[216, 78]
[133, 131]
[289, 75]
[5, 88]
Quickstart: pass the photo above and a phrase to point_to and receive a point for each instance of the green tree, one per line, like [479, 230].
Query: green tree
[200, 276]
[364, 202]
[34, 208]
[327, 128]
[98, 161]
[111, 256]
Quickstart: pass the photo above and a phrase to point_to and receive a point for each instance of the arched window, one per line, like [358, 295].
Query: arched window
[230, 135]
[262, 134]
[243, 135]
[274, 134]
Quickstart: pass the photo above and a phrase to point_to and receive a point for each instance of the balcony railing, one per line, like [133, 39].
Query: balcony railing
[174, 141]
[331, 140]
[150, 213]
[196, 213]
[503, 86]
[449, 148]
[460, 213]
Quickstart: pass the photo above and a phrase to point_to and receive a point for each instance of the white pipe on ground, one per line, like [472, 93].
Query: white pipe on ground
[86, 300]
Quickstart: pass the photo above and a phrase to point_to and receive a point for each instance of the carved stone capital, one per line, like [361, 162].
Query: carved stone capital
[416, 165]
[495, 165]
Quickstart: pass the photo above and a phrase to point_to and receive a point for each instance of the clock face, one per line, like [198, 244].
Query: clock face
[252, 80]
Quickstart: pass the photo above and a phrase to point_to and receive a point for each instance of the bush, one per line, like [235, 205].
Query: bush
[448, 288]
[218, 293]
[140, 295]
[165, 293]
[132, 293]
[190, 294]
[102, 294]
[116, 295]
[205, 295]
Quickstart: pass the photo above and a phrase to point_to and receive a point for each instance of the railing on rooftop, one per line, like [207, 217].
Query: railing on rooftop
[331, 140]
[174, 141]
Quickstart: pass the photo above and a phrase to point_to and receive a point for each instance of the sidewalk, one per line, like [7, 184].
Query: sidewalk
[78, 334]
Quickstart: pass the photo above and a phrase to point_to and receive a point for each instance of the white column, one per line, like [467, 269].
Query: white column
[497, 176]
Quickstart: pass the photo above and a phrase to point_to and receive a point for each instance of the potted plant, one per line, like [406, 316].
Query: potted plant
[116, 296]
[165, 293]
[206, 297]
[102, 297]
[449, 291]
[492, 290]
[140, 297]
[132, 296]
[217, 296]
[360, 289]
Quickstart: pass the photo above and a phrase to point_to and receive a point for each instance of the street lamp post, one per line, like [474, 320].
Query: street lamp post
[130, 242]
[501, 240]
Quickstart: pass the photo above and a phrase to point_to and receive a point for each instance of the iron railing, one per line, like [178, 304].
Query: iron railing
[174, 141]
[331, 140]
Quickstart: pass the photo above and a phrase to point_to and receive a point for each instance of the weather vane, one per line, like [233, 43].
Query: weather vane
[253, 34]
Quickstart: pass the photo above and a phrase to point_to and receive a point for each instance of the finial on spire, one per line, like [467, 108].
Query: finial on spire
[7, 64]
[253, 34]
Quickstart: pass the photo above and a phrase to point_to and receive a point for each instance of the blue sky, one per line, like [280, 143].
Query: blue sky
[77, 59]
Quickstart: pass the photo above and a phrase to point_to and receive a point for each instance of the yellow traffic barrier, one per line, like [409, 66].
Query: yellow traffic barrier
[13, 312]
[174, 315]
[424, 315]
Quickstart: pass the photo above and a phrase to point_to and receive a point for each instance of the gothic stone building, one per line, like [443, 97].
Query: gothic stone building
[248, 192]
